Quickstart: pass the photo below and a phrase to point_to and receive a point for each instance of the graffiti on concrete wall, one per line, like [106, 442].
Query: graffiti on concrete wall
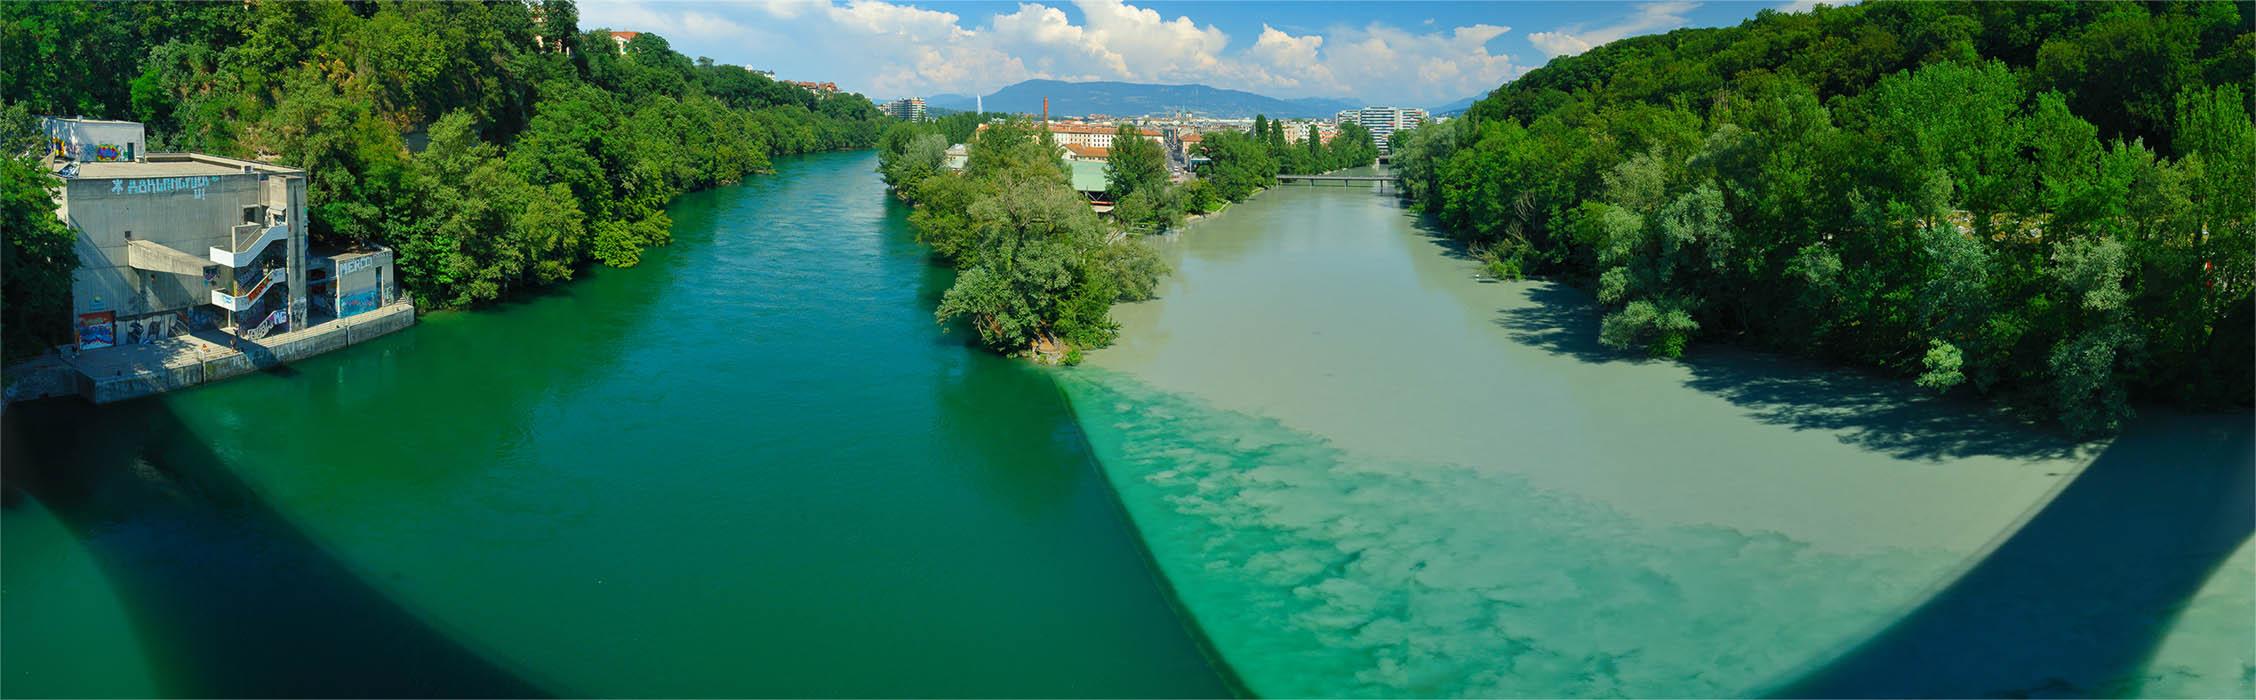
[101, 151]
[197, 319]
[154, 328]
[357, 302]
[162, 185]
[97, 330]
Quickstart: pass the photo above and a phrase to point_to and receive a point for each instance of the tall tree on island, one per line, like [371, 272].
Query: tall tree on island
[1237, 164]
[1136, 165]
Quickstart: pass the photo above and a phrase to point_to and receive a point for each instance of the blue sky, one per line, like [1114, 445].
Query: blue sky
[1418, 54]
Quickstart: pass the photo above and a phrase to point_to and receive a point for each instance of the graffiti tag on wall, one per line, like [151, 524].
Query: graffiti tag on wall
[97, 330]
[161, 185]
[356, 303]
[198, 319]
[102, 151]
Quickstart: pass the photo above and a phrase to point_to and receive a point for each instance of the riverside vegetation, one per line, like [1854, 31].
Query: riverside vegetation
[1039, 269]
[542, 148]
[2048, 203]
[1036, 268]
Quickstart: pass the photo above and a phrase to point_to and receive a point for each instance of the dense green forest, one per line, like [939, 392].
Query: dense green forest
[494, 145]
[1038, 268]
[2046, 203]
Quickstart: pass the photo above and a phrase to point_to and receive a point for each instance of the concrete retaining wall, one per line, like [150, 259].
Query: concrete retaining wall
[305, 347]
[39, 379]
[381, 322]
[250, 357]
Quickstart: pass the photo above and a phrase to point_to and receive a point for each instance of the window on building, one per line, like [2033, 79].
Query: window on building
[254, 213]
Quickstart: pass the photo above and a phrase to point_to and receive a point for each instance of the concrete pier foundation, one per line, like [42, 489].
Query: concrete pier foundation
[133, 371]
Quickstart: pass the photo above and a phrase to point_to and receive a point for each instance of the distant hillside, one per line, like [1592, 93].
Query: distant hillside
[1127, 99]
[948, 100]
[1455, 108]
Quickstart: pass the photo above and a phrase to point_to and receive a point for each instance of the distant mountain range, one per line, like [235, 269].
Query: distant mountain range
[1455, 108]
[947, 100]
[1134, 99]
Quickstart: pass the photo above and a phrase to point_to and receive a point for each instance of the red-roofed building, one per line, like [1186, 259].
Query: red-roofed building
[1088, 154]
[621, 38]
[1187, 143]
[1092, 135]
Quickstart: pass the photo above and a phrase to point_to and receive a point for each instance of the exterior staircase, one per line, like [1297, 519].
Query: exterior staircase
[239, 258]
[243, 302]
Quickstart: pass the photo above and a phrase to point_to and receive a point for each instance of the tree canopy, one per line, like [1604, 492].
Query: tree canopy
[1037, 268]
[2047, 203]
[496, 146]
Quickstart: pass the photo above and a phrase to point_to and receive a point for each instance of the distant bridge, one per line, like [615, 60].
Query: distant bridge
[1344, 180]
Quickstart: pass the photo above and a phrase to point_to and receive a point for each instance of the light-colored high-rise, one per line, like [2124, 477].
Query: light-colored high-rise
[1384, 121]
[908, 109]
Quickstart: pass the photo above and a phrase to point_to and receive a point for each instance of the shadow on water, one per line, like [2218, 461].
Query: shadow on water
[2074, 602]
[228, 597]
[1451, 246]
[1871, 412]
[1563, 321]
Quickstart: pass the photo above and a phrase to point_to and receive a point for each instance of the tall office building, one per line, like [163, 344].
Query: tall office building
[908, 109]
[1384, 121]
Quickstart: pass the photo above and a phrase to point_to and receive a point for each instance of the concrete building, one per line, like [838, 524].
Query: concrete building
[172, 243]
[908, 109]
[1297, 131]
[1384, 121]
[94, 140]
[815, 87]
[195, 267]
[958, 157]
[350, 281]
[177, 242]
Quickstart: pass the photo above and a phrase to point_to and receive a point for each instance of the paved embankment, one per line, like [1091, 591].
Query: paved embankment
[133, 371]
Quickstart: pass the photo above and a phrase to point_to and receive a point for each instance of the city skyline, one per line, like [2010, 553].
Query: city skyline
[1408, 54]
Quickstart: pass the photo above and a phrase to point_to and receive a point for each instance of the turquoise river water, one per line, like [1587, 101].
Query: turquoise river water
[1328, 461]
[752, 465]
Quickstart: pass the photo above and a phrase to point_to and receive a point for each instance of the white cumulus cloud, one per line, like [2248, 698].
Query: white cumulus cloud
[1648, 18]
[886, 48]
